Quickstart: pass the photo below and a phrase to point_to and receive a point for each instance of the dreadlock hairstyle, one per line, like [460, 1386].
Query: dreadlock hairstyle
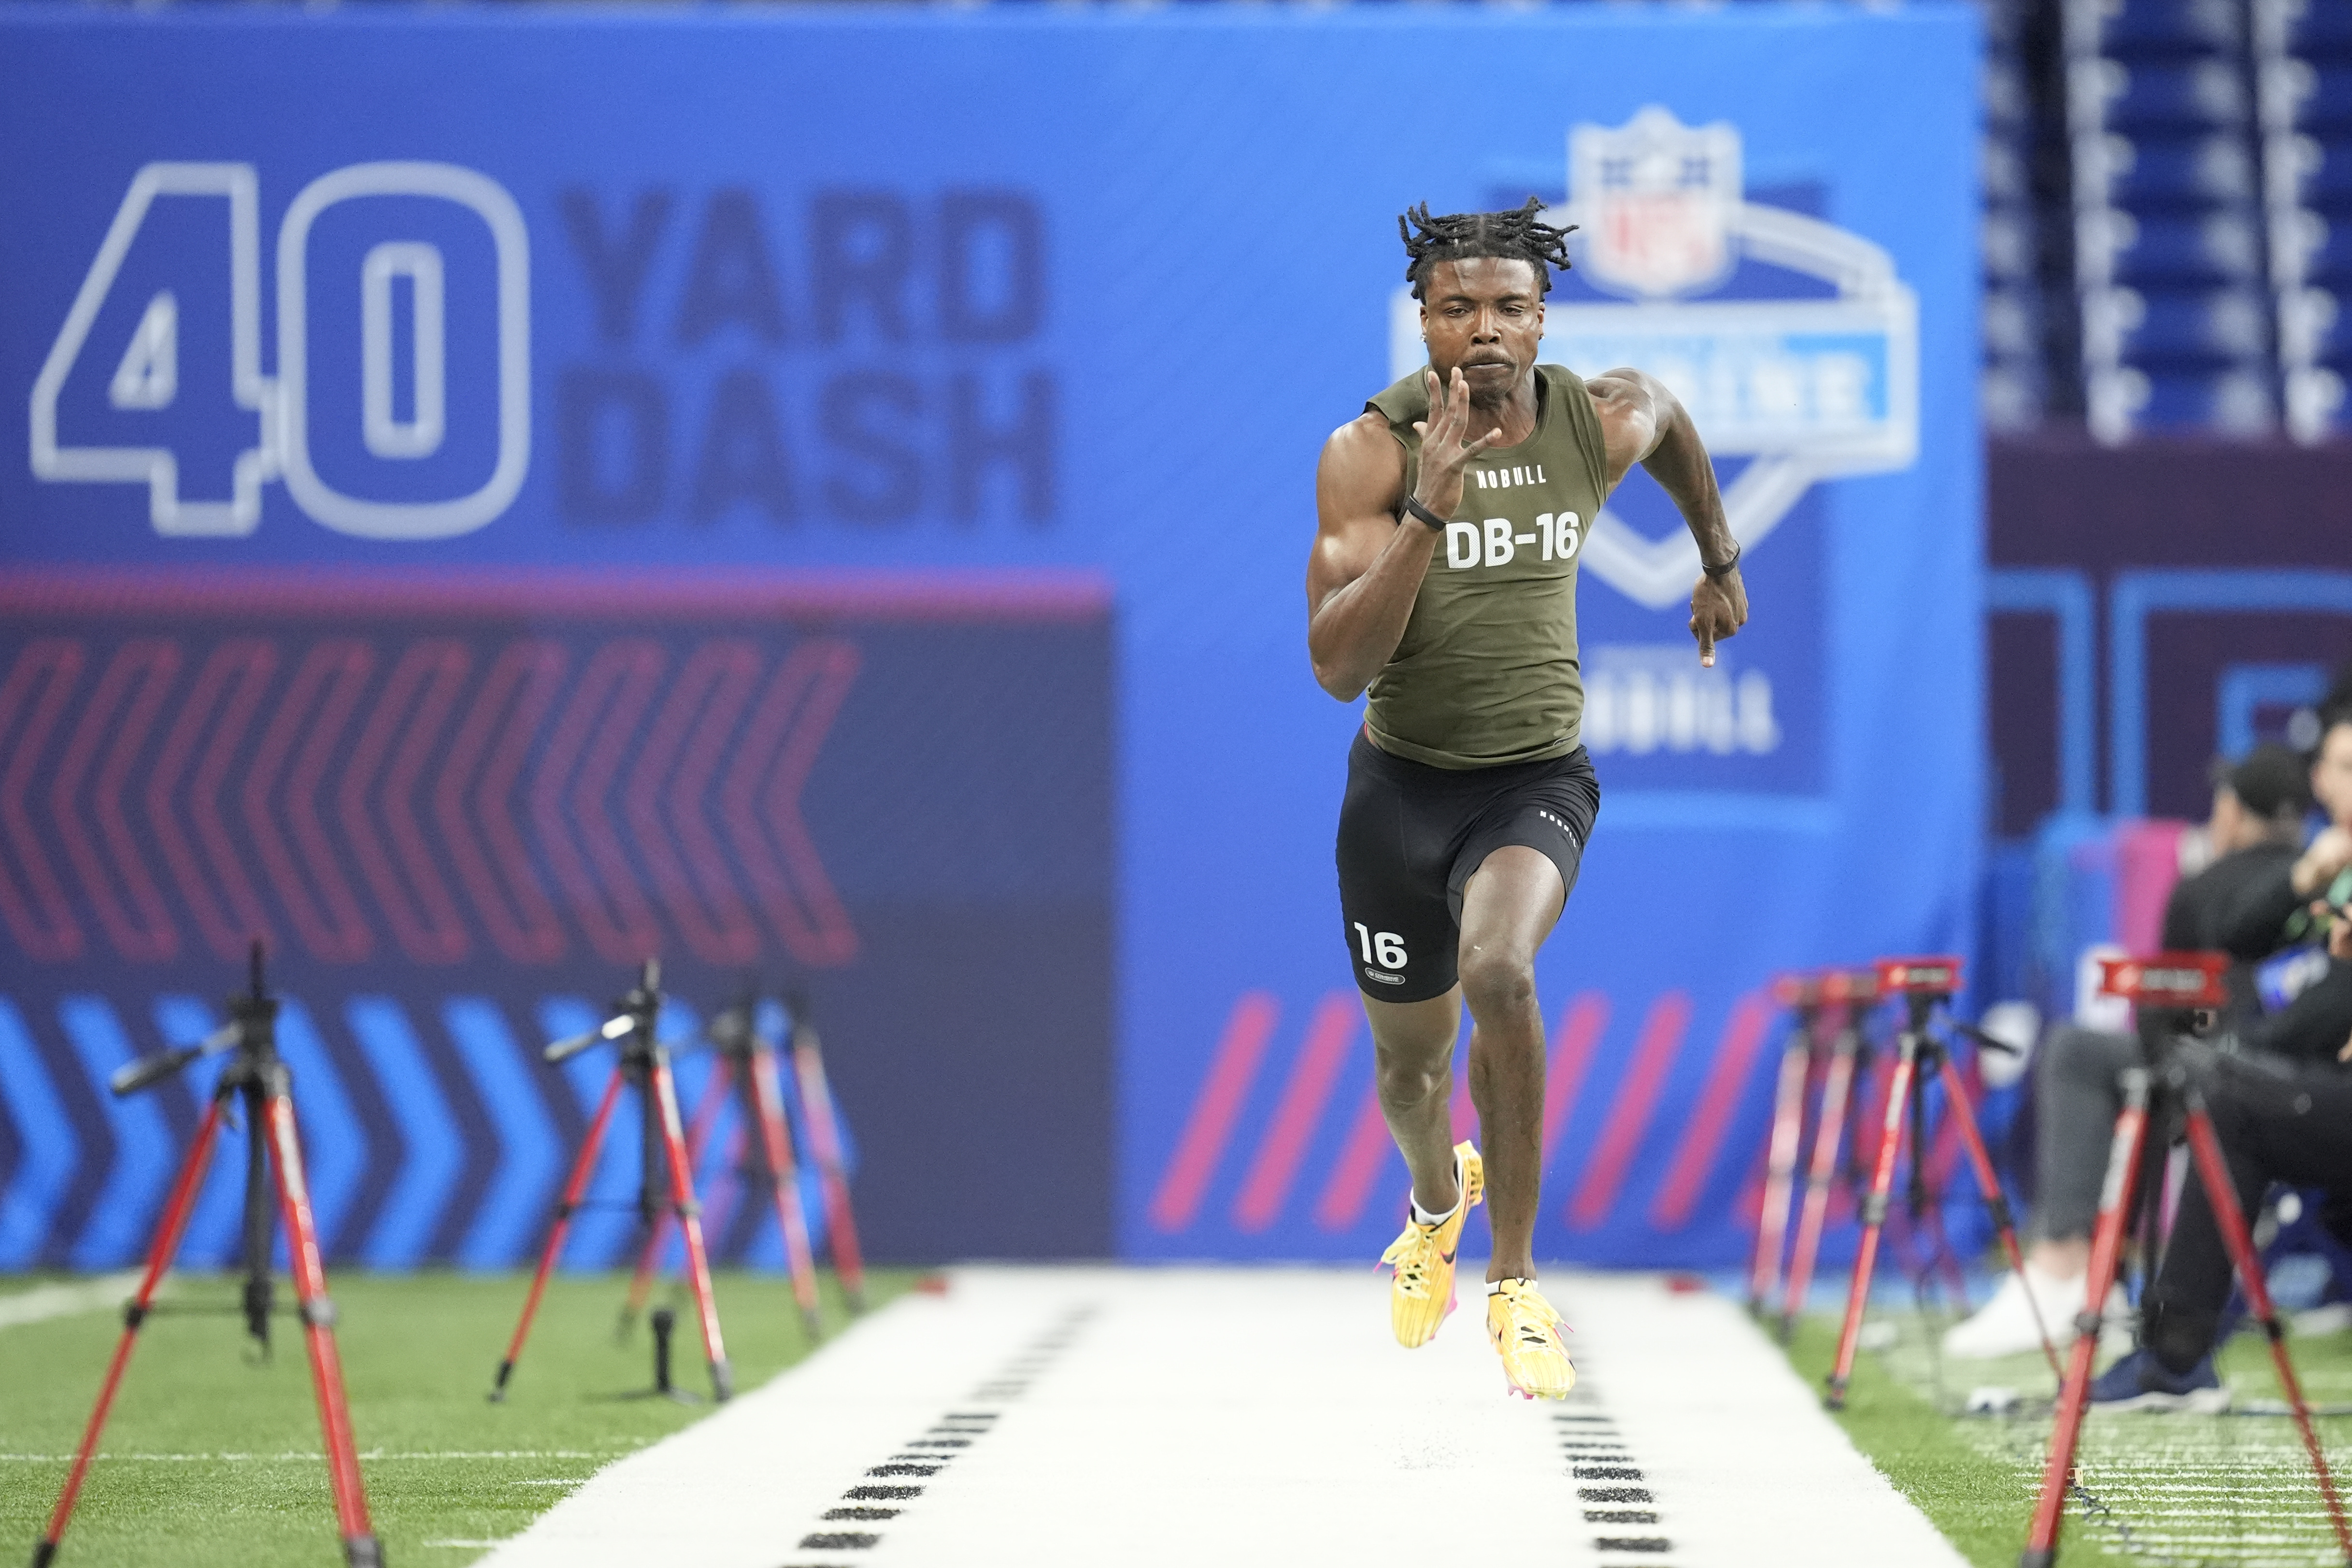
[1512, 236]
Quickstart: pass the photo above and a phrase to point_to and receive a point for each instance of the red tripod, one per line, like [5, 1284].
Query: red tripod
[260, 1079]
[644, 1064]
[1801, 995]
[2185, 988]
[746, 1064]
[1847, 995]
[824, 1140]
[1920, 1055]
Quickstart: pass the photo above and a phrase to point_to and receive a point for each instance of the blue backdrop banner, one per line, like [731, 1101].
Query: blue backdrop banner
[823, 495]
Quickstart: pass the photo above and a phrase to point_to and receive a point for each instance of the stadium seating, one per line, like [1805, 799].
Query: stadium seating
[2302, 69]
[2170, 228]
[2015, 393]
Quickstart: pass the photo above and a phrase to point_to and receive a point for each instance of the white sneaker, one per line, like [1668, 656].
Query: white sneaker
[2004, 1325]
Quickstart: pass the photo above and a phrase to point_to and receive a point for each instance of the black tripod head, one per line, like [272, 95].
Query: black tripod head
[1801, 993]
[251, 1031]
[735, 1033]
[632, 1023]
[1924, 984]
[2177, 998]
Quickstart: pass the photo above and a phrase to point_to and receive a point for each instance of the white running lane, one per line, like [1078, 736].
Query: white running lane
[1075, 1417]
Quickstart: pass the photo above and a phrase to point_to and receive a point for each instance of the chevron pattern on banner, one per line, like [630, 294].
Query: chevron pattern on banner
[427, 796]
[461, 808]
[429, 1138]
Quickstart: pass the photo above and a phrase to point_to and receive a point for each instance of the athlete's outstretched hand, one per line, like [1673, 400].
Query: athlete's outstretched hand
[1443, 452]
[1719, 608]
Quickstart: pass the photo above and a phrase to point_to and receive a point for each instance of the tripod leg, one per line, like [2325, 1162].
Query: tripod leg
[663, 1090]
[260, 1294]
[359, 1547]
[2205, 1148]
[168, 1232]
[1996, 1201]
[841, 1227]
[574, 1186]
[2074, 1389]
[1780, 1167]
[1873, 1218]
[784, 1180]
[1818, 1181]
[697, 1136]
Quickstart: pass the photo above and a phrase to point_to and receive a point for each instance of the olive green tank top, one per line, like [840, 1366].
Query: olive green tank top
[1487, 672]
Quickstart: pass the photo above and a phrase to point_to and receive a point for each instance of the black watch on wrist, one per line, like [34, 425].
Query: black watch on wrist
[1412, 504]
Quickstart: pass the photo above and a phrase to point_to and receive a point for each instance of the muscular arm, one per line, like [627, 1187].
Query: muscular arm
[1642, 422]
[1367, 566]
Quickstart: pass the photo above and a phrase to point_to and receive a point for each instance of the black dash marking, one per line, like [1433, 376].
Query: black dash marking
[971, 1415]
[1607, 1473]
[861, 1515]
[933, 1461]
[882, 1494]
[1634, 1543]
[904, 1470]
[840, 1541]
[1619, 1515]
[941, 1443]
[1563, 1416]
[1614, 1494]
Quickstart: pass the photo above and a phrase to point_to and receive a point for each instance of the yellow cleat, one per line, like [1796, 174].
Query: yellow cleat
[1524, 1332]
[1422, 1292]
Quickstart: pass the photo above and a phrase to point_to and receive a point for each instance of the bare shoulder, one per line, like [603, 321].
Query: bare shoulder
[1633, 407]
[1363, 468]
[1623, 393]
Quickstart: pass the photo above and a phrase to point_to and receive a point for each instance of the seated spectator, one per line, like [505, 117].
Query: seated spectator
[2254, 833]
[2269, 911]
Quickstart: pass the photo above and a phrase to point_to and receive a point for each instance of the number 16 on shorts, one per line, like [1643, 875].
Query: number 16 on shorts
[1384, 948]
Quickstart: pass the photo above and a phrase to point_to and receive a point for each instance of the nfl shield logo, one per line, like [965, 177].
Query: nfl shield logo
[1657, 198]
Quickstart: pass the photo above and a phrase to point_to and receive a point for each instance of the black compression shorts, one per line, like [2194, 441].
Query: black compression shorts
[1411, 836]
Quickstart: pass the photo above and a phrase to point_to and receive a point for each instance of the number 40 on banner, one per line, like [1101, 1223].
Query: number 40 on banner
[152, 376]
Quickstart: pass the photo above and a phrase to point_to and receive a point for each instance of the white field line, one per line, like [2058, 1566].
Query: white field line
[43, 1302]
[1251, 1418]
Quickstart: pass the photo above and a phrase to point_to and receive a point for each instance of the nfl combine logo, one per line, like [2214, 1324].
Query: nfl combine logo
[1661, 196]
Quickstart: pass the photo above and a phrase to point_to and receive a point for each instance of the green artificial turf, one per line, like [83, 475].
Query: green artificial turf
[2164, 1490]
[212, 1457]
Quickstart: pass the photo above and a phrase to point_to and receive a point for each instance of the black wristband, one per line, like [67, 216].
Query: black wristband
[1412, 504]
[1726, 567]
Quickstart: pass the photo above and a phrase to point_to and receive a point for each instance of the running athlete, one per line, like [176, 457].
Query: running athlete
[1450, 515]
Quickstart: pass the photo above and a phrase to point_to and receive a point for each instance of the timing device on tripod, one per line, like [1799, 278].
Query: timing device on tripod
[2177, 996]
[1844, 999]
[644, 1065]
[255, 1079]
[746, 1069]
[1924, 984]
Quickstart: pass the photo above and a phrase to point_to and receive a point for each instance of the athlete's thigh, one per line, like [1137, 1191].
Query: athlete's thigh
[1395, 913]
[1519, 862]
[1512, 901]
